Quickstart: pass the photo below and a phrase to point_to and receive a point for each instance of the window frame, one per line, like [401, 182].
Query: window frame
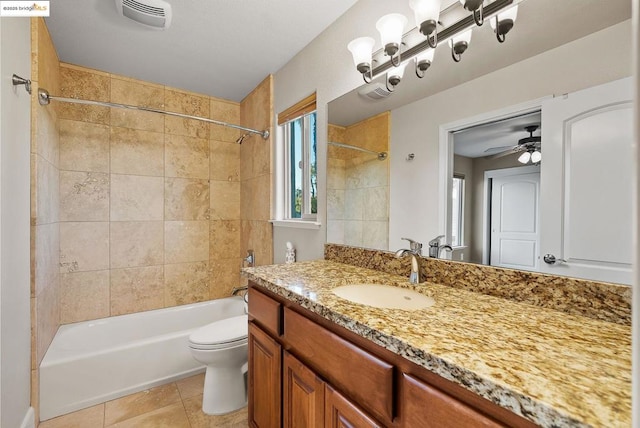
[461, 207]
[306, 180]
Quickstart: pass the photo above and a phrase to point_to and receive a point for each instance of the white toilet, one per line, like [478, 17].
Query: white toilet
[222, 347]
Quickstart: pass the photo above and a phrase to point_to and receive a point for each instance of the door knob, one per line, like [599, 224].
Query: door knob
[552, 260]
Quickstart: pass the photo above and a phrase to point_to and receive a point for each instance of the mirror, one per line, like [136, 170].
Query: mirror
[516, 76]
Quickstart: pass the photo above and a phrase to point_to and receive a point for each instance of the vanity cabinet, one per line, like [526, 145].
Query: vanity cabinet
[305, 371]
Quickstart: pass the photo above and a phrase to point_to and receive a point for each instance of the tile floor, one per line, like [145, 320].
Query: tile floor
[174, 405]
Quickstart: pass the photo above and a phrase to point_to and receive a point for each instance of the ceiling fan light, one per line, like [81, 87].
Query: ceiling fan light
[524, 158]
[536, 156]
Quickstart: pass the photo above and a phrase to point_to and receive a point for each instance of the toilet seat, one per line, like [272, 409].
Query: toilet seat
[226, 333]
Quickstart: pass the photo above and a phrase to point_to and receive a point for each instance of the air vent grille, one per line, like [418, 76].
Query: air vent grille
[144, 8]
[375, 91]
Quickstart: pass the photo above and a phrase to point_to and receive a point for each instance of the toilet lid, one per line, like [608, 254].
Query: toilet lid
[223, 331]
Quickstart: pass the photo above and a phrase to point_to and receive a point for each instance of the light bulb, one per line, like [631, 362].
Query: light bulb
[361, 49]
[524, 158]
[536, 156]
[391, 28]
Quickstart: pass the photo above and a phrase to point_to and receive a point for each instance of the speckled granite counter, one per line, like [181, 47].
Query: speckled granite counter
[555, 369]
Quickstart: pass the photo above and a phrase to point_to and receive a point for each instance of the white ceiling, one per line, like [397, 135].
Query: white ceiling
[222, 48]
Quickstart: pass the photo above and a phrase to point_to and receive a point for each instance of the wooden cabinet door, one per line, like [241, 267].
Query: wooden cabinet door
[428, 407]
[341, 413]
[265, 381]
[303, 405]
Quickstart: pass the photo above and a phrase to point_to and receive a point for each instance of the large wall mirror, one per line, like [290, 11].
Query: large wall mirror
[515, 157]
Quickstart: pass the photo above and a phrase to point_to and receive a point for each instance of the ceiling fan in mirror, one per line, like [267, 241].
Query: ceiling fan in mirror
[530, 147]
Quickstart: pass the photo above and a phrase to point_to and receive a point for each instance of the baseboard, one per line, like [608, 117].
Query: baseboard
[29, 420]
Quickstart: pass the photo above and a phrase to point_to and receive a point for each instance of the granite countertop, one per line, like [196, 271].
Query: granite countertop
[555, 369]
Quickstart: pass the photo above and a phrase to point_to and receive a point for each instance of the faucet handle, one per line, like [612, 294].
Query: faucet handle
[435, 242]
[414, 245]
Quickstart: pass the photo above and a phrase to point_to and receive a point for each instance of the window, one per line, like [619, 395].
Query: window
[301, 168]
[299, 179]
[457, 211]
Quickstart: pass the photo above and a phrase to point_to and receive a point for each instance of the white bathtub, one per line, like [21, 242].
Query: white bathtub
[95, 361]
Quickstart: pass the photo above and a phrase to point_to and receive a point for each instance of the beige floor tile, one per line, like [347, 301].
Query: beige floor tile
[173, 416]
[91, 417]
[191, 386]
[143, 402]
[198, 419]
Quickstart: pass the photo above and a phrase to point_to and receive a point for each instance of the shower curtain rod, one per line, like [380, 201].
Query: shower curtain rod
[44, 98]
[381, 155]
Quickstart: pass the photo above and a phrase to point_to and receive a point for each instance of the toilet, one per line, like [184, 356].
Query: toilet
[222, 347]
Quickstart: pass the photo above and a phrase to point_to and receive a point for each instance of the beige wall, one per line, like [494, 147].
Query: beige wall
[358, 184]
[149, 204]
[45, 212]
[256, 111]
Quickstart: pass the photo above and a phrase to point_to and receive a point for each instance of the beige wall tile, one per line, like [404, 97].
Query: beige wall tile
[336, 174]
[45, 202]
[186, 199]
[84, 246]
[142, 402]
[131, 92]
[136, 243]
[335, 204]
[84, 196]
[46, 256]
[224, 240]
[186, 157]
[256, 198]
[225, 112]
[186, 103]
[35, 392]
[224, 200]
[137, 152]
[224, 161]
[84, 296]
[258, 236]
[225, 275]
[136, 289]
[47, 318]
[47, 136]
[47, 72]
[85, 418]
[353, 204]
[353, 232]
[88, 85]
[84, 146]
[376, 203]
[335, 231]
[136, 198]
[375, 234]
[186, 283]
[186, 241]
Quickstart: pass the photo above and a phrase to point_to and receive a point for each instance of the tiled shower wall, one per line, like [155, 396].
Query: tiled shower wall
[358, 184]
[256, 111]
[149, 204]
[45, 213]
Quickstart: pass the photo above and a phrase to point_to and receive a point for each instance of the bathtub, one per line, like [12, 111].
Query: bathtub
[91, 362]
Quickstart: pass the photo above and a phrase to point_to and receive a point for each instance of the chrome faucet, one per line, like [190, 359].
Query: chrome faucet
[415, 252]
[435, 248]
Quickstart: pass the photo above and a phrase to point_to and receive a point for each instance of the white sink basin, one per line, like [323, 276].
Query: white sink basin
[384, 296]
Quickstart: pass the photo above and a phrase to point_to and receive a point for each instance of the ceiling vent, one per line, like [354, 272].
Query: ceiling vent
[154, 14]
[375, 91]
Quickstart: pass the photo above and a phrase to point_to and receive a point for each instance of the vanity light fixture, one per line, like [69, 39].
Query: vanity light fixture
[503, 22]
[394, 76]
[427, 13]
[459, 44]
[361, 50]
[391, 28]
[423, 62]
[477, 8]
[419, 43]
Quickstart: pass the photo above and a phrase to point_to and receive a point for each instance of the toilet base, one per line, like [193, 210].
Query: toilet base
[224, 390]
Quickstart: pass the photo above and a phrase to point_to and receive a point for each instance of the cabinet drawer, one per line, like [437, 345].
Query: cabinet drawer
[265, 311]
[426, 406]
[365, 378]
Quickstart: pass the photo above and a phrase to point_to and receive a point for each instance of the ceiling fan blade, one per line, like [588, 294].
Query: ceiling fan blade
[513, 150]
